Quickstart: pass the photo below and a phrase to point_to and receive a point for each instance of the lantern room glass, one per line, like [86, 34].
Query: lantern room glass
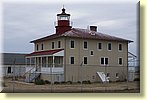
[63, 17]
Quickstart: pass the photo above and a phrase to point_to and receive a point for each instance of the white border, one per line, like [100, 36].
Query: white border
[83, 60]
[83, 45]
[70, 60]
[122, 61]
[90, 52]
[98, 46]
[70, 44]
[121, 46]
[108, 46]
[104, 61]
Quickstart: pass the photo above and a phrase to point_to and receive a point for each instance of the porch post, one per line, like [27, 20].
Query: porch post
[26, 61]
[30, 62]
[53, 61]
[47, 61]
[35, 63]
[41, 61]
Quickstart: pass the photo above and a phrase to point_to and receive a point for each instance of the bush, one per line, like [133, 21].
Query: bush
[63, 82]
[47, 82]
[3, 84]
[69, 82]
[136, 79]
[56, 82]
[86, 82]
[79, 82]
[39, 82]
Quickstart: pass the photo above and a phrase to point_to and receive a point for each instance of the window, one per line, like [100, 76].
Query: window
[85, 60]
[53, 45]
[120, 61]
[37, 47]
[116, 75]
[99, 46]
[72, 44]
[85, 45]
[59, 44]
[120, 47]
[9, 70]
[108, 75]
[104, 61]
[71, 60]
[91, 53]
[41, 46]
[109, 46]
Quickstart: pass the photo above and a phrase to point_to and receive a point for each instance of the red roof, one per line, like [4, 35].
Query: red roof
[47, 52]
[83, 33]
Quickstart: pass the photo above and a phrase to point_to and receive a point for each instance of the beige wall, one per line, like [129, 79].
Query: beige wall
[48, 44]
[79, 52]
[73, 72]
[76, 73]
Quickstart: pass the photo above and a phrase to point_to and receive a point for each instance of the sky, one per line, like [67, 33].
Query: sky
[26, 21]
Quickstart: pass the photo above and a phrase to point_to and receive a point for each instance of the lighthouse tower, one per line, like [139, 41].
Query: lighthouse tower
[63, 22]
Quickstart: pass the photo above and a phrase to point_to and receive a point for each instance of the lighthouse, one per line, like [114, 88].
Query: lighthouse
[63, 22]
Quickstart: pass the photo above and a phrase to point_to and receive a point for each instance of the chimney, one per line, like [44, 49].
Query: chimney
[93, 28]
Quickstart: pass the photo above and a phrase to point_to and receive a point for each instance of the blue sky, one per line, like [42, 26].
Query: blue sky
[26, 21]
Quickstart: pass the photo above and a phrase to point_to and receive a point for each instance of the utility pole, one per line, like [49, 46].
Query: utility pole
[81, 75]
[14, 74]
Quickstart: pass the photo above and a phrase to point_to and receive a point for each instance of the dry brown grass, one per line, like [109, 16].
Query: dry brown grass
[17, 86]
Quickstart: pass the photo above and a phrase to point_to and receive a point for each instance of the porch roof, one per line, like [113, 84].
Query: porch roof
[47, 52]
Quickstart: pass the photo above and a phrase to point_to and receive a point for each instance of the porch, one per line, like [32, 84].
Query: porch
[49, 62]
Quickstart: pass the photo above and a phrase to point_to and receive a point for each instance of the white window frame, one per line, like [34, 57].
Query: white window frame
[83, 60]
[9, 70]
[87, 45]
[70, 60]
[37, 47]
[70, 44]
[90, 53]
[54, 45]
[98, 46]
[117, 75]
[42, 46]
[58, 44]
[104, 61]
[122, 61]
[121, 46]
[108, 75]
[108, 46]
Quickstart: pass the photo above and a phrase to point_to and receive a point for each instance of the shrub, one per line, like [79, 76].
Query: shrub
[39, 82]
[86, 82]
[56, 82]
[79, 82]
[136, 79]
[3, 84]
[47, 82]
[63, 82]
[69, 82]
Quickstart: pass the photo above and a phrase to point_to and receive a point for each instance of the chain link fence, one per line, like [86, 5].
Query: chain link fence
[76, 78]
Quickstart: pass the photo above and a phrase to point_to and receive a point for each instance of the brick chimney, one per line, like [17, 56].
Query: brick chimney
[93, 28]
